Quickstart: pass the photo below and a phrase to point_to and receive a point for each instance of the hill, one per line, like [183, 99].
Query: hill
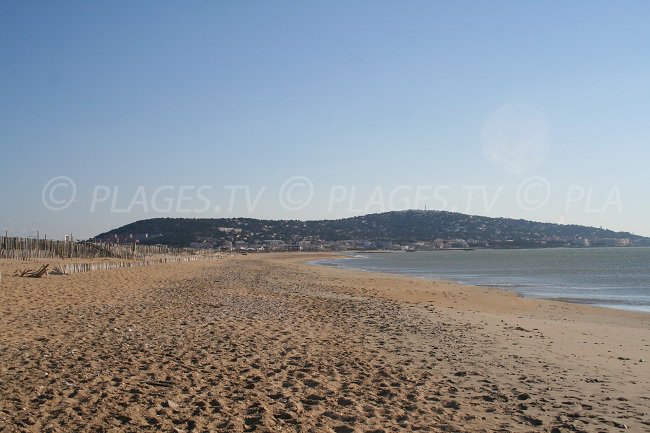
[398, 226]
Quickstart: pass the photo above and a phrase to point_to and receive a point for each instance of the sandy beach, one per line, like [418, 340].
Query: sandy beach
[268, 343]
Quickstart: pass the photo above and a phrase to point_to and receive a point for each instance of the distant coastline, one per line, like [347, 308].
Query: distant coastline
[398, 230]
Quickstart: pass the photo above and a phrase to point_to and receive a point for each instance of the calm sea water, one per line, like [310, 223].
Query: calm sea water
[607, 277]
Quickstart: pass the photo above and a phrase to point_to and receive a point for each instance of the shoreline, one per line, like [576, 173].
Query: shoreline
[496, 287]
[482, 292]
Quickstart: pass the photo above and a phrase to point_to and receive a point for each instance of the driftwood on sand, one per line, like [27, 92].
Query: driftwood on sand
[33, 273]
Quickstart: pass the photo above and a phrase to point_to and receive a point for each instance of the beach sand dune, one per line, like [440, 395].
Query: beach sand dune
[268, 344]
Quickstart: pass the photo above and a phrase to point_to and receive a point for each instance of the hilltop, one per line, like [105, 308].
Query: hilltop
[402, 227]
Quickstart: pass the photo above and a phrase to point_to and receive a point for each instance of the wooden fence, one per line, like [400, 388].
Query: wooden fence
[32, 249]
[75, 268]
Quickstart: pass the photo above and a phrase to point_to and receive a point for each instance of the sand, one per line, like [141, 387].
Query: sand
[266, 343]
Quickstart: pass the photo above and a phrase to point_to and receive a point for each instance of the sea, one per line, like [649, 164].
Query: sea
[607, 277]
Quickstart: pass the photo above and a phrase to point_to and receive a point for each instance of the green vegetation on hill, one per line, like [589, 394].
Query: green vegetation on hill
[398, 226]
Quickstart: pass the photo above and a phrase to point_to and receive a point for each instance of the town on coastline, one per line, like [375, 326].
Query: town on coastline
[232, 239]
[411, 230]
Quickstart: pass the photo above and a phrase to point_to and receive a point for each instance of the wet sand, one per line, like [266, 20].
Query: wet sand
[266, 343]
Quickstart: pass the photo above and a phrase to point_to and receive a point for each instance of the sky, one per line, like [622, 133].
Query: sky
[111, 112]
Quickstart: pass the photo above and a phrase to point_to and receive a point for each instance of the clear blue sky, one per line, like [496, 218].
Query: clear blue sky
[361, 95]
